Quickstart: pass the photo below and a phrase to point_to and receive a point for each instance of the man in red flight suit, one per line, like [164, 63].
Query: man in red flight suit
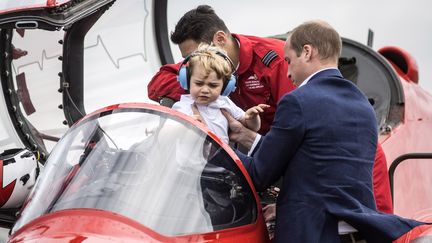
[261, 75]
[261, 70]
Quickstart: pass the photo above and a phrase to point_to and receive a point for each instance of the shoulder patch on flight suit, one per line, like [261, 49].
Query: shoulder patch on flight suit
[269, 57]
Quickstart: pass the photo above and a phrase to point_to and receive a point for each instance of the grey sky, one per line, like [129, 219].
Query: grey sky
[407, 24]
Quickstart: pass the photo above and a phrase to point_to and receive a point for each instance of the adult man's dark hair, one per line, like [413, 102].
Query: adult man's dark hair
[199, 24]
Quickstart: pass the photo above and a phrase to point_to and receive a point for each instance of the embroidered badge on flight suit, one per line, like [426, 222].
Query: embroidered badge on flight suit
[269, 57]
[252, 83]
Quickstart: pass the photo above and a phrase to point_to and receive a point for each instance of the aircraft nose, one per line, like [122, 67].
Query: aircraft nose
[82, 225]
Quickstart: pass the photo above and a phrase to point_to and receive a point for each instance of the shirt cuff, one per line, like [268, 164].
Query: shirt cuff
[257, 138]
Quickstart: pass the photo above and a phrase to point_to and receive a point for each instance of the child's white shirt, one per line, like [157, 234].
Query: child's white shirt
[212, 113]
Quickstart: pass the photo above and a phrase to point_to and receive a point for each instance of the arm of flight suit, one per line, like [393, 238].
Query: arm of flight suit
[279, 81]
[277, 148]
[165, 84]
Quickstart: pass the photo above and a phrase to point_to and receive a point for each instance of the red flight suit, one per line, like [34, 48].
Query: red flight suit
[261, 77]
[381, 182]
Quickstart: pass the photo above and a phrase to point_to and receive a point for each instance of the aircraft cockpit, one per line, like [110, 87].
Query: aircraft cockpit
[148, 165]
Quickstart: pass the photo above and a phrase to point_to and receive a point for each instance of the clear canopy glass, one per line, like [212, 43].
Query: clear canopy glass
[148, 165]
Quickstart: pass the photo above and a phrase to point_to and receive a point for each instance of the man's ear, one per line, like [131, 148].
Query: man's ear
[308, 51]
[220, 38]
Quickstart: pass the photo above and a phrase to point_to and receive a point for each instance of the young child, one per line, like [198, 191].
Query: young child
[208, 75]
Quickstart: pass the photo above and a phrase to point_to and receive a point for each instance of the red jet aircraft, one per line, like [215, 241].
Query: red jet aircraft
[142, 172]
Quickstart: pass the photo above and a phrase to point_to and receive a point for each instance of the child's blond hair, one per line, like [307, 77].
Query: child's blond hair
[212, 59]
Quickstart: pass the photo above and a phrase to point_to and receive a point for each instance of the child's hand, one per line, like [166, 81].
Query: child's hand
[252, 112]
[196, 114]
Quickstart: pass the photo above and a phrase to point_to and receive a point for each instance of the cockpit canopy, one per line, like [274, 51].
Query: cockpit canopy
[148, 165]
[373, 74]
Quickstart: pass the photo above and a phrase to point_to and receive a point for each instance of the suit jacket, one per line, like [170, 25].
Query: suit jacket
[323, 141]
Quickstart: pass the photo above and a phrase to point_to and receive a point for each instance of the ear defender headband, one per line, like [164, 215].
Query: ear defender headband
[184, 74]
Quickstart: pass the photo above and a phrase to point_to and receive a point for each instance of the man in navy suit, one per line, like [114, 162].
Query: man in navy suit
[322, 142]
